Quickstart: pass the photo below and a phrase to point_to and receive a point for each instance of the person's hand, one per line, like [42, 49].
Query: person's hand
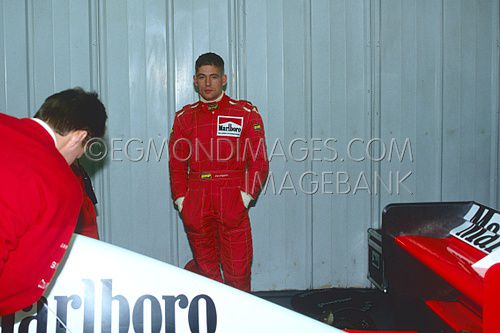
[246, 198]
[179, 203]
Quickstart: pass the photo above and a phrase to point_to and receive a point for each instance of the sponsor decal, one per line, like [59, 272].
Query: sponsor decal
[481, 229]
[102, 288]
[229, 126]
[212, 107]
[99, 309]
[206, 176]
[224, 175]
[257, 127]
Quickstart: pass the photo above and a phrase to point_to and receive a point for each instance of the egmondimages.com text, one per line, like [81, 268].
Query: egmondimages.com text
[299, 165]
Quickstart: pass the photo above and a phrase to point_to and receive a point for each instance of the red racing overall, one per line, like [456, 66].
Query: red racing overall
[217, 151]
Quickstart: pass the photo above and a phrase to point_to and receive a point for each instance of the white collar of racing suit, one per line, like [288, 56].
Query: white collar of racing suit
[47, 128]
[214, 101]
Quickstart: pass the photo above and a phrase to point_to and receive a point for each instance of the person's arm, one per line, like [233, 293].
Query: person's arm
[255, 155]
[179, 149]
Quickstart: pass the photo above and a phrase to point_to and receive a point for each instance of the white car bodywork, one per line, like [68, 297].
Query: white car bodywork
[104, 288]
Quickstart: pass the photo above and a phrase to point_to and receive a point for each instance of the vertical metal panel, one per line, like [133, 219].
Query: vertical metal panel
[237, 34]
[468, 90]
[323, 100]
[14, 59]
[264, 227]
[43, 52]
[114, 66]
[411, 100]
[297, 125]
[157, 128]
[61, 46]
[135, 43]
[341, 211]
[195, 23]
[171, 89]
[276, 68]
[495, 107]
[437, 89]
[375, 56]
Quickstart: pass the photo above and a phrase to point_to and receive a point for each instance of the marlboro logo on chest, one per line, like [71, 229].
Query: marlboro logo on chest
[229, 126]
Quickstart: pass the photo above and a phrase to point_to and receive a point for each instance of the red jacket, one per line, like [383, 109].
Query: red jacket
[40, 199]
[224, 136]
[87, 220]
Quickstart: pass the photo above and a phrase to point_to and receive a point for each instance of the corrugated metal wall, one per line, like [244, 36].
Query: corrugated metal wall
[365, 103]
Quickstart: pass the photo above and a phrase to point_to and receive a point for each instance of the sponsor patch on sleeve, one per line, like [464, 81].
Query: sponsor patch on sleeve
[257, 127]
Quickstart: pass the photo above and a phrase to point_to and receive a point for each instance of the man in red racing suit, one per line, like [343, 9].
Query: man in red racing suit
[218, 164]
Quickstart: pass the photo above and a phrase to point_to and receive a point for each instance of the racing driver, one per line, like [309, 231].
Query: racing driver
[218, 165]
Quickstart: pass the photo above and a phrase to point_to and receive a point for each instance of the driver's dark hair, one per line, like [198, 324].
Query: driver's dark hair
[74, 109]
[209, 58]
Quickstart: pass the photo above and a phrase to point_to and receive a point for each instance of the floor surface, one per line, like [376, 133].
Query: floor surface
[342, 308]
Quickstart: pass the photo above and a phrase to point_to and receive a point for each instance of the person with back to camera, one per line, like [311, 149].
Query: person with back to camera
[218, 164]
[40, 197]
